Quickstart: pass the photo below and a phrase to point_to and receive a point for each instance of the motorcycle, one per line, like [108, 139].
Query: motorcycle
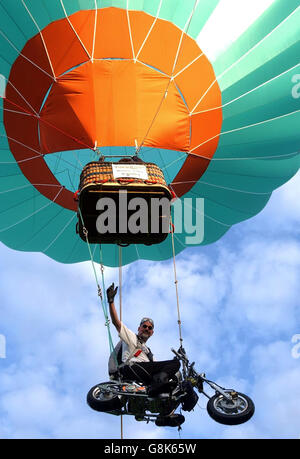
[120, 397]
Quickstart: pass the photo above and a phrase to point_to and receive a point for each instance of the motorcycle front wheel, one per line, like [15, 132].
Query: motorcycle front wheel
[240, 408]
[102, 398]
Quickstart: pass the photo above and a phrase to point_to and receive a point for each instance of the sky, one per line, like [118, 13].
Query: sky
[239, 302]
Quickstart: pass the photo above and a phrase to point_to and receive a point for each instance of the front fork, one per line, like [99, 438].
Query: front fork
[228, 394]
[196, 377]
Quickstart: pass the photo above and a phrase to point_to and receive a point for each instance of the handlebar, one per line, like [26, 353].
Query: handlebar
[181, 355]
[176, 353]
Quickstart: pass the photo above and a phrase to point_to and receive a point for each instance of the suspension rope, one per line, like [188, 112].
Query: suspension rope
[120, 282]
[176, 283]
[165, 94]
[100, 294]
[120, 315]
[37, 116]
[103, 300]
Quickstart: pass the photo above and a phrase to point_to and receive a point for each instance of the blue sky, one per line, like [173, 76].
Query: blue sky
[239, 302]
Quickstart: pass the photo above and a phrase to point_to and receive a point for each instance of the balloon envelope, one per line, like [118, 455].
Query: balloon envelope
[207, 91]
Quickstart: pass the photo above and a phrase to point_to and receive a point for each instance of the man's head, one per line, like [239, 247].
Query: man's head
[146, 328]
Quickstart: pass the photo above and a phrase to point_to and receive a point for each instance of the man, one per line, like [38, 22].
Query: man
[138, 363]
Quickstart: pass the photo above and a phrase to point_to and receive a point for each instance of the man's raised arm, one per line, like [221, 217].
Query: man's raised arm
[111, 293]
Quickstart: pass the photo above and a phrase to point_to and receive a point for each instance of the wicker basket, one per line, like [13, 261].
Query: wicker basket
[102, 172]
[111, 180]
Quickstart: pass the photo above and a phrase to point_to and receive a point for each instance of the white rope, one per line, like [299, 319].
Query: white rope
[24, 98]
[95, 31]
[176, 284]
[14, 111]
[25, 57]
[137, 252]
[77, 159]
[21, 160]
[241, 58]
[171, 77]
[243, 128]
[184, 31]
[222, 187]
[203, 214]
[59, 234]
[11, 190]
[40, 155]
[42, 38]
[188, 65]
[130, 33]
[247, 93]
[72, 27]
[33, 213]
[54, 127]
[173, 162]
[23, 145]
[68, 162]
[247, 158]
[150, 30]
[180, 242]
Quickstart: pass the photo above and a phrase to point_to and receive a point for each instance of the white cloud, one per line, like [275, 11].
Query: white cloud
[277, 390]
[265, 284]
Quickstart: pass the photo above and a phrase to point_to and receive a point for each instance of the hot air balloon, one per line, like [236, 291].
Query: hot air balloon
[131, 77]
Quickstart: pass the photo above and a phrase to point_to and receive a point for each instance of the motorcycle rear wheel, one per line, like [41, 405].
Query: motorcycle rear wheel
[101, 398]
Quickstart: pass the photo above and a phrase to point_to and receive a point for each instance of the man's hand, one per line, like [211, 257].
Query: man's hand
[111, 293]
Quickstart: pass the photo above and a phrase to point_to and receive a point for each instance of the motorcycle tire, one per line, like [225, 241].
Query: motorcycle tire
[230, 413]
[101, 400]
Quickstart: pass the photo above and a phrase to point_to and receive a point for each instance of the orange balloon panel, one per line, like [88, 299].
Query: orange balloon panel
[113, 102]
[106, 85]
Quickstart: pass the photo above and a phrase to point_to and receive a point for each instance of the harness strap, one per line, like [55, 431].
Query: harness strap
[135, 353]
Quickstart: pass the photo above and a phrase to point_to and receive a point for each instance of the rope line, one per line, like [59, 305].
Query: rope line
[22, 97]
[25, 57]
[73, 28]
[150, 30]
[222, 187]
[32, 214]
[246, 93]
[59, 234]
[95, 31]
[187, 25]
[242, 128]
[120, 314]
[50, 124]
[176, 284]
[242, 57]
[100, 294]
[42, 38]
[130, 32]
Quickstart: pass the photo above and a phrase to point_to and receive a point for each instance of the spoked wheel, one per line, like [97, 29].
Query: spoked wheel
[240, 408]
[102, 398]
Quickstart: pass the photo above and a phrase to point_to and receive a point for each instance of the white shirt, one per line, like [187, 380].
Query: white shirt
[131, 344]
